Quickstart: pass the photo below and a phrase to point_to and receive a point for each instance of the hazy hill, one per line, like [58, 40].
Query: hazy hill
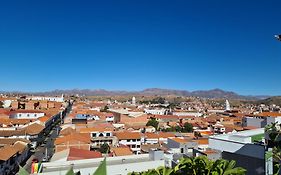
[214, 93]
[272, 100]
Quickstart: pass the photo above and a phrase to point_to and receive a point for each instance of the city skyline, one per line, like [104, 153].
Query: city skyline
[136, 45]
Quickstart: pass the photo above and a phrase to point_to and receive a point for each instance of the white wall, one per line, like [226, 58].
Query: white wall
[131, 142]
[137, 163]
[56, 99]
[248, 149]
[26, 115]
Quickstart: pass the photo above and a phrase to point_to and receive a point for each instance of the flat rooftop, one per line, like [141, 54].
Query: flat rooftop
[243, 136]
[91, 163]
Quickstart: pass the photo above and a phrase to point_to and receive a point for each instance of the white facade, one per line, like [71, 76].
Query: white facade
[240, 143]
[195, 114]
[134, 101]
[56, 99]
[101, 134]
[155, 111]
[7, 103]
[134, 144]
[27, 115]
[109, 118]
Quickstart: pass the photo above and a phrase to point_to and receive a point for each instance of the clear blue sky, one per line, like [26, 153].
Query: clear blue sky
[137, 44]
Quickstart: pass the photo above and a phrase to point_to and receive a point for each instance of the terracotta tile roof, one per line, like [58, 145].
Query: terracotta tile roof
[165, 135]
[128, 135]
[79, 154]
[11, 141]
[210, 152]
[67, 131]
[202, 141]
[151, 135]
[206, 132]
[8, 133]
[89, 130]
[159, 135]
[4, 111]
[122, 151]
[249, 127]
[269, 114]
[25, 111]
[20, 146]
[9, 151]
[12, 121]
[180, 140]
[44, 119]
[73, 137]
[34, 129]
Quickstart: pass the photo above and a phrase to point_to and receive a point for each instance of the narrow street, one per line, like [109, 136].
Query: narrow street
[46, 147]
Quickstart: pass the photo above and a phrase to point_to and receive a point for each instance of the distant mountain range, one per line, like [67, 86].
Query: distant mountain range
[214, 93]
[270, 101]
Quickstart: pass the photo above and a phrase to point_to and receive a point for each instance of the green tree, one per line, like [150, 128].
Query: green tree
[203, 166]
[153, 122]
[198, 166]
[104, 109]
[187, 127]
[104, 148]
[273, 133]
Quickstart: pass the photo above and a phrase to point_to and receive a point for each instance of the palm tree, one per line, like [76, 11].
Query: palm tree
[198, 166]
[273, 133]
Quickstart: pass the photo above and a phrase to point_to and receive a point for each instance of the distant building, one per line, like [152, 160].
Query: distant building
[134, 101]
[130, 139]
[227, 105]
[243, 148]
[26, 114]
[56, 99]
[182, 146]
[100, 136]
[156, 111]
[261, 120]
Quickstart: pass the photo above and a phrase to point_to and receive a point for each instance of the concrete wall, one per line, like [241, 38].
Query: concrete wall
[115, 166]
[254, 166]
[251, 150]
[252, 121]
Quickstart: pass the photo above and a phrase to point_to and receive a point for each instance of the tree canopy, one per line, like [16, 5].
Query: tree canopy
[104, 148]
[197, 166]
[153, 122]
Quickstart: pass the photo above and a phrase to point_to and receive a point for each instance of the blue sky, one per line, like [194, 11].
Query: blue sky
[132, 45]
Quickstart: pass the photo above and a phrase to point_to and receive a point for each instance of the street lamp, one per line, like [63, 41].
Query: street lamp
[278, 37]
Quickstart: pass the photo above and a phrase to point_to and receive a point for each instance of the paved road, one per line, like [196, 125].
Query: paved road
[48, 145]
[40, 151]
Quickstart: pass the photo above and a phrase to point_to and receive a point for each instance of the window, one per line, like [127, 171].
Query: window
[107, 134]
[94, 135]
[128, 140]
[181, 150]
[138, 146]
[138, 140]
[134, 140]
[133, 146]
